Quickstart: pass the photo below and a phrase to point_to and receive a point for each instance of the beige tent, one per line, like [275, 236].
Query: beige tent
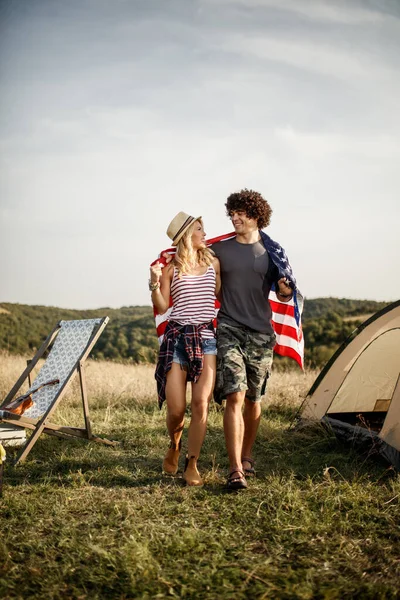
[358, 391]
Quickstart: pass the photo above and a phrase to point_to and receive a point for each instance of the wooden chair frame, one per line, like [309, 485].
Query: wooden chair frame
[43, 424]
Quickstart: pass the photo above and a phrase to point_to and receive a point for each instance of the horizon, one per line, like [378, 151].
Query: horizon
[151, 307]
[115, 116]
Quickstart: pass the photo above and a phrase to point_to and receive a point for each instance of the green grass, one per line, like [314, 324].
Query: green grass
[82, 520]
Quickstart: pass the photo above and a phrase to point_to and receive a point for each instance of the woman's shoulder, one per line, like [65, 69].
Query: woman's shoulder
[168, 270]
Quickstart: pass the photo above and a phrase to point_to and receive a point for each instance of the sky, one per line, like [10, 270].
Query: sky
[117, 114]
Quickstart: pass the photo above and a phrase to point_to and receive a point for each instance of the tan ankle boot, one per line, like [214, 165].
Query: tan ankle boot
[171, 460]
[191, 474]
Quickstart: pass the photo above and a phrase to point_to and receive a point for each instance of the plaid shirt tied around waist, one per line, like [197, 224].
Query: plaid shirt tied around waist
[193, 347]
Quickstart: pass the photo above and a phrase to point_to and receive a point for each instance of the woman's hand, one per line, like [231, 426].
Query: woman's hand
[160, 286]
[155, 273]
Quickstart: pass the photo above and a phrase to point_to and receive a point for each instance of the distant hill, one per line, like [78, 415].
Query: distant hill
[343, 307]
[130, 334]
[327, 322]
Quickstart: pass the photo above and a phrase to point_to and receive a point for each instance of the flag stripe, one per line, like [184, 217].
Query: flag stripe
[285, 340]
[290, 352]
[283, 308]
[164, 317]
[283, 329]
[284, 319]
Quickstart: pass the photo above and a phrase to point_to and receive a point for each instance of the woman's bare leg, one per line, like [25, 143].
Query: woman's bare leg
[201, 395]
[175, 398]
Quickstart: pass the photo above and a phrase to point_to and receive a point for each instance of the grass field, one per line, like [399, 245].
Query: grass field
[82, 520]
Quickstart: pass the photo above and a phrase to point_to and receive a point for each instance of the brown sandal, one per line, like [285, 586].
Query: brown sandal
[236, 480]
[250, 471]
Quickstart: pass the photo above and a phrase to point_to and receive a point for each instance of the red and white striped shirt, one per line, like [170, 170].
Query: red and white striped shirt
[193, 299]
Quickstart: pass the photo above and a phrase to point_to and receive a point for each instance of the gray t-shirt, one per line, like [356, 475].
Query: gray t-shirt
[247, 274]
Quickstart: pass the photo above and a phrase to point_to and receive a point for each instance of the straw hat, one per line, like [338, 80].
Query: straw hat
[179, 225]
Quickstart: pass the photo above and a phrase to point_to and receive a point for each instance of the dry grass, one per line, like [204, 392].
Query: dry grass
[115, 384]
[290, 387]
[117, 387]
[104, 379]
[112, 386]
[361, 318]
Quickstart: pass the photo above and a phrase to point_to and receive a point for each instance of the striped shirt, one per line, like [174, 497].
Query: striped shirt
[193, 299]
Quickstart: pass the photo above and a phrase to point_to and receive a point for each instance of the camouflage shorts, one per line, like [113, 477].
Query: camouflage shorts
[244, 362]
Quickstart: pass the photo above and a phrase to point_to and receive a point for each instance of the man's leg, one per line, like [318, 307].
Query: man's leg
[258, 367]
[251, 418]
[231, 384]
[234, 429]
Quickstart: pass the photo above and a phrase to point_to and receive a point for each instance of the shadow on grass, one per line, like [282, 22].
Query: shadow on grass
[283, 448]
[136, 460]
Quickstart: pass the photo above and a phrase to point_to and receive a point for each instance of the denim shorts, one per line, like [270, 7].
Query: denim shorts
[180, 356]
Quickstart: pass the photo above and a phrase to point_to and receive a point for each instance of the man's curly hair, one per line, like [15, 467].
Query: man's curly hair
[252, 203]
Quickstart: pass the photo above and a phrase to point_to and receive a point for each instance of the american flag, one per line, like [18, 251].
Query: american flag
[286, 316]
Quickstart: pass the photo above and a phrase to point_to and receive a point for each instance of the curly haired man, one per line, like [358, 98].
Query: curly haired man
[245, 337]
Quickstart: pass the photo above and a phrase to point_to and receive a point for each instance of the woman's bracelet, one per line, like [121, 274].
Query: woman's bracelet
[153, 286]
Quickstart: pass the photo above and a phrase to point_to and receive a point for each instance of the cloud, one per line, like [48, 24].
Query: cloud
[322, 58]
[324, 145]
[320, 10]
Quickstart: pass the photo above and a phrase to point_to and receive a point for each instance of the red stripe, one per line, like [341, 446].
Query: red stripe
[290, 352]
[282, 308]
[282, 329]
[162, 327]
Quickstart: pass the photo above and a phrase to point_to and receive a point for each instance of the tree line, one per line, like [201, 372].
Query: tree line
[130, 335]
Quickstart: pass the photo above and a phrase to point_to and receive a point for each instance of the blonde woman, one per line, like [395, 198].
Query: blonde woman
[188, 351]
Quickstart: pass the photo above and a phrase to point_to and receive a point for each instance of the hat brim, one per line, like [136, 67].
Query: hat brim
[183, 230]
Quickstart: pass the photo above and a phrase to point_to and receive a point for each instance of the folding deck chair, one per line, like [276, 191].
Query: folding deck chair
[71, 343]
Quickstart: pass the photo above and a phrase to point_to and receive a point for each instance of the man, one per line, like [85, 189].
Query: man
[250, 265]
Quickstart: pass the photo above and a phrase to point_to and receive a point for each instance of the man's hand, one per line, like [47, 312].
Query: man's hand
[284, 290]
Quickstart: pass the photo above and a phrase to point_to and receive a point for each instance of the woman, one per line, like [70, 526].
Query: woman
[188, 351]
